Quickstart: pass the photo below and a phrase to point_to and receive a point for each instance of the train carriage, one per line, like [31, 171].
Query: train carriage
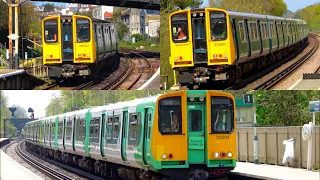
[78, 45]
[175, 135]
[213, 44]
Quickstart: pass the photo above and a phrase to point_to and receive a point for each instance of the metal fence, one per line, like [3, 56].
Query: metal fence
[271, 148]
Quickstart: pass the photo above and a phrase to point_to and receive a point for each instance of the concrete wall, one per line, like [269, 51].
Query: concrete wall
[271, 148]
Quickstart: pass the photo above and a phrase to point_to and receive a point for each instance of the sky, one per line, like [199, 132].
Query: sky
[293, 5]
[36, 99]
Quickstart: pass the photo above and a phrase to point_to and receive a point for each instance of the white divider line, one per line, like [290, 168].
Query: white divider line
[295, 84]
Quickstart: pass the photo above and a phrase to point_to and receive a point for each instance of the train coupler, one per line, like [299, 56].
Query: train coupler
[198, 174]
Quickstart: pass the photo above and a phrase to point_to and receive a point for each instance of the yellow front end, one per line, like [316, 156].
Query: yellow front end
[84, 52]
[51, 40]
[220, 52]
[219, 143]
[176, 145]
[181, 53]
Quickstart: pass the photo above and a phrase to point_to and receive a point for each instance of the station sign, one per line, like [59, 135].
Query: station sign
[13, 36]
[314, 106]
[248, 98]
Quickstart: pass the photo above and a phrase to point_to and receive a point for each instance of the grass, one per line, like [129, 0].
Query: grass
[146, 44]
[166, 70]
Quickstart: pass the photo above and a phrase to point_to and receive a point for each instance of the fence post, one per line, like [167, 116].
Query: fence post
[266, 146]
[300, 149]
[277, 147]
[247, 135]
[238, 145]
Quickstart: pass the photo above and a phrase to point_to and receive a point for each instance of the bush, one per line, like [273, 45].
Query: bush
[138, 37]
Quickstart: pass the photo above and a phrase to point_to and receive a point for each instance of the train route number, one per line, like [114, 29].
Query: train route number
[84, 45]
[220, 44]
[223, 137]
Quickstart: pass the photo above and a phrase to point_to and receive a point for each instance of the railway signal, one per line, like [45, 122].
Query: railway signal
[32, 115]
[12, 110]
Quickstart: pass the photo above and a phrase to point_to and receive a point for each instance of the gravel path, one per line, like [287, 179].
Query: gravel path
[12, 153]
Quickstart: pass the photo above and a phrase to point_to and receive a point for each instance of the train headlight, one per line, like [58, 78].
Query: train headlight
[176, 58]
[69, 20]
[215, 56]
[225, 56]
[63, 20]
[88, 55]
[191, 98]
[216, 155]
[164, 156]
[229, 154]
[201, 99]
[201, 14]
[79, 55]
[194, 14]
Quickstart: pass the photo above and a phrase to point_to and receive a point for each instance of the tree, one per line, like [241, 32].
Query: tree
[122, 28]
[182, 4]
[311, 14]
[48, 7]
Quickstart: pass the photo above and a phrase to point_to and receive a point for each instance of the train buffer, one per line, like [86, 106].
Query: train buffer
[264, 171]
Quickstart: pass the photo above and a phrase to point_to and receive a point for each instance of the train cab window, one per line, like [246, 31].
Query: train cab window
[222, 115]
[218, 26]
[179, 25]
[170, 115]
[116, 127]
[51, 31]
[83, 30]
[242, 32]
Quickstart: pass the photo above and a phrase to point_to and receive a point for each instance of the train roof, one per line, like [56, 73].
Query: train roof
[244, 14]
[93, 19]
[108, 107]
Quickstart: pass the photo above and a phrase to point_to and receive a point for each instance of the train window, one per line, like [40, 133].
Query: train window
[195, 120]
[60, 130]
[218, 26]
[251, 31]
[83, 30]
[222, 115]
[109, 128]
[52, 131]
[116, 127]
[262, 30]
[94, 129]
[179, 25]
[242, 32]
[170, 115]
[51, 31]
[134, 129]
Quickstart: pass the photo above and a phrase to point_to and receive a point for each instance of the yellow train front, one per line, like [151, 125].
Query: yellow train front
[223, 46]
[78, 45]
[195, 136]
[196, 52]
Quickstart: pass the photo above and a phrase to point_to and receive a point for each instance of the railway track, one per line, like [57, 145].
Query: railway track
[41, 167]
[141, 70]
[283, 74]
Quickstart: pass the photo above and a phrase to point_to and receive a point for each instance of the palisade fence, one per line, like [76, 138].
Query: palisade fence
[271, 148]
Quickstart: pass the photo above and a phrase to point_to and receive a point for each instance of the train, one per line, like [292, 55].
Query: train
[78, 46]
[176, 135]
[215, 45]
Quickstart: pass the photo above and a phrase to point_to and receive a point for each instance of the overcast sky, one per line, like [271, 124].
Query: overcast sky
[36, 99]
[293, 5]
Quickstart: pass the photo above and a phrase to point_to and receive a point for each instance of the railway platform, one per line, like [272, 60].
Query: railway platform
[306, 84]
[10, 169]
[18, 79]
[273, 172]
[153, 83]
[4, 141]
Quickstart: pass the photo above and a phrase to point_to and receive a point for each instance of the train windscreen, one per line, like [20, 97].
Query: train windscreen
[179, 25]
[222, 115]
[83, 30]
[218, 26]
[51, 31]
[67, 45]
[170, 115]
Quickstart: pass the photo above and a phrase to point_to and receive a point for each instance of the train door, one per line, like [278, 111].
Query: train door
[102, 134]
[196, 139]
[146, 135]
[260, 36]
[124, 136]
[198, 22]
[64, 133]
[67, 40]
